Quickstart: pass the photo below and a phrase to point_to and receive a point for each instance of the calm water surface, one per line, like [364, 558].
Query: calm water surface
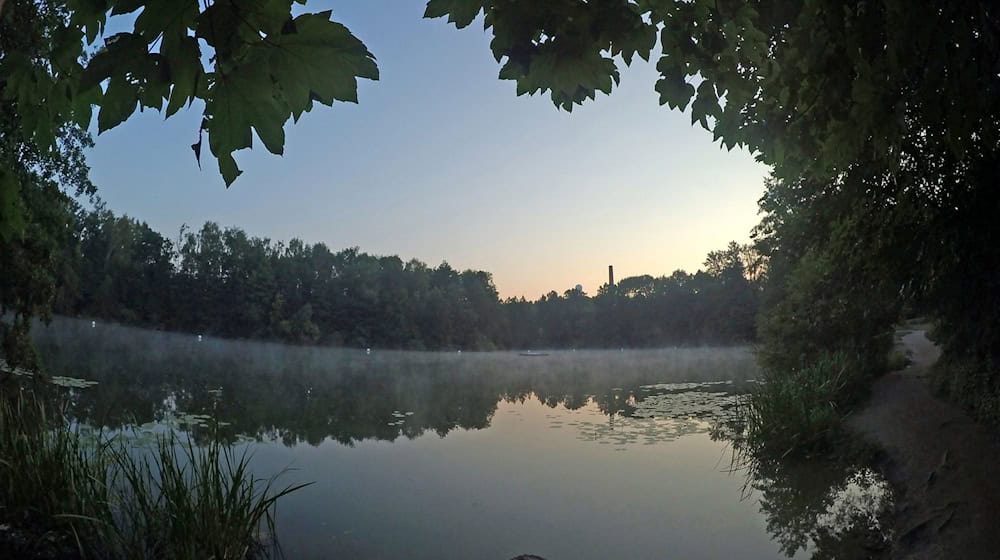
[587, 454]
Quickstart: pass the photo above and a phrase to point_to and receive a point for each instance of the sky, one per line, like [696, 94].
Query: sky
[442, 161]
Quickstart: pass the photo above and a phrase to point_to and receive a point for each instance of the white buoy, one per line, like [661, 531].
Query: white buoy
[199, 338]
[93, 324]
[368, 351]
[459, 351]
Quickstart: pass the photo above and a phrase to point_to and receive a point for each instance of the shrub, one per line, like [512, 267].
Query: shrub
[971, 383]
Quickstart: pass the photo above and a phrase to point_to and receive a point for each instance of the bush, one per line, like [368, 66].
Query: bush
[822, 308]
[971, 383]
[826, 330]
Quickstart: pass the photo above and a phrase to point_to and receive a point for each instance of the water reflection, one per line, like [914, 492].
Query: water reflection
[826, 508]
[295, 395]
[640, 433]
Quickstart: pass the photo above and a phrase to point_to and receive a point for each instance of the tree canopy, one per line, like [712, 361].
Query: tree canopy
[252, 63]
[810, 86]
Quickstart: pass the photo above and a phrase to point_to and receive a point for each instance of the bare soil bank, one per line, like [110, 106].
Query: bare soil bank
[943, 466]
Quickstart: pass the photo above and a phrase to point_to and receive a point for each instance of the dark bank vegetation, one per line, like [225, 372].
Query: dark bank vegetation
[883, 143]
[76, 492]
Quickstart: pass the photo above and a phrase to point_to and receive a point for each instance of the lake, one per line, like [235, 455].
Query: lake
[575, 454]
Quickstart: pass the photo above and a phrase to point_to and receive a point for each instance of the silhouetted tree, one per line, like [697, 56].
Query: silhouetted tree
[222, 281]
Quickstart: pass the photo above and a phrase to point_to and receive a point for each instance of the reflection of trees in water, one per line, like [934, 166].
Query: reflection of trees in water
[830, 507]
[296, 394]
[650, 414]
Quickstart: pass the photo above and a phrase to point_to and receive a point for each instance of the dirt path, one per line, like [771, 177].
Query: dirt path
[943, 465]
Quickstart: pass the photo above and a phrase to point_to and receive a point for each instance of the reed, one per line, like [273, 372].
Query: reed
[800, 411]
[113, 497]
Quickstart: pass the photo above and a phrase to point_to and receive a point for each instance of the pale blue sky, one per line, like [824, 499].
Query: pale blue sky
[442, 161]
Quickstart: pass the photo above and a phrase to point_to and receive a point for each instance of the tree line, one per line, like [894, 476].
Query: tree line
[222, 281]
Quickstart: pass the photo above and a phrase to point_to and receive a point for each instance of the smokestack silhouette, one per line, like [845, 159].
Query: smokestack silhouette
[611, 275]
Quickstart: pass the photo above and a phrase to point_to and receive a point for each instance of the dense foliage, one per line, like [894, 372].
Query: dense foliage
[222, 281]
[265, 66]
[34, 206]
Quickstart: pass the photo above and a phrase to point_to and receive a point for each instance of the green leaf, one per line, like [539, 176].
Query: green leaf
[11, 214]
[20, 78]
[459, 12]
[88, 15]
[228, 168]
[83, 105]
[171, 18]
[119, 103]
[122, 53]
[68, 47]
[268, 81]
[639, 41]
[319, 60]
[241, 100]
[674, 90]
[196, 147]
[184, 61]
[223, 28]
[706, 104]
[267, 16]
[154, 86]
[119, 7]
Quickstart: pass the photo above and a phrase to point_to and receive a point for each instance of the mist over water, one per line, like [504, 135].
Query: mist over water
[575, 454]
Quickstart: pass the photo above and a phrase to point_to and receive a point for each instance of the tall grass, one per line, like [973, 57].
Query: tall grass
[49, 479]
[186, 502]
[799, 410]
[114, 499]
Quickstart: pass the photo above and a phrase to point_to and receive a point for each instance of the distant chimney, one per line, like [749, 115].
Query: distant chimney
[611, 275]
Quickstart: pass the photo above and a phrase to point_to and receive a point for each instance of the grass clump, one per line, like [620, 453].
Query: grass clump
[110, 498]
[50, 482]
[189, 502]
[799, 410]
